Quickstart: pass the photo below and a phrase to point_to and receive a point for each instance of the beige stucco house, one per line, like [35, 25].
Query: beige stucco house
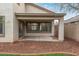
[72, 28]
[20, 21]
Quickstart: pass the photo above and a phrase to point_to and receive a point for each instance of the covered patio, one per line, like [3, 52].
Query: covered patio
[40, 26]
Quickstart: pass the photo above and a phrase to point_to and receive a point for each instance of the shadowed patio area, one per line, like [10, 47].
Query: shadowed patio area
[27, 47]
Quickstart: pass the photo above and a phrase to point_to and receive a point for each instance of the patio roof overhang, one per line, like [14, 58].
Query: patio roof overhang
[40, 16]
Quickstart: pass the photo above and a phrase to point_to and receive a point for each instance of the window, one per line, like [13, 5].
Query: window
[1, 25]
[38, 27]
[45, 27]
[34, 26]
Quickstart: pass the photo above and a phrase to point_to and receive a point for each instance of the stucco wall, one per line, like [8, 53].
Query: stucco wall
[22, 8]
[16, 9]
[72, 30]
[32, 9]
[6, 9]
[19, 8]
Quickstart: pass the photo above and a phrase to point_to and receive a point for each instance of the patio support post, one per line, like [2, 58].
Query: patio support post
[24, 28]
[61, 30]
[53, 28]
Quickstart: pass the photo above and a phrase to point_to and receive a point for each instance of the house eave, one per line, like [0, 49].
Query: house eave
[41, 14]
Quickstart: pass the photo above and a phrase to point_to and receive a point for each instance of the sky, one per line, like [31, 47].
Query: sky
[56, 8]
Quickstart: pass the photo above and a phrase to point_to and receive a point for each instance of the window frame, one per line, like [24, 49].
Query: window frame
[3, 23]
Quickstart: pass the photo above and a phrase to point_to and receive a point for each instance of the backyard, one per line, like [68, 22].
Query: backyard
[68, 47]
